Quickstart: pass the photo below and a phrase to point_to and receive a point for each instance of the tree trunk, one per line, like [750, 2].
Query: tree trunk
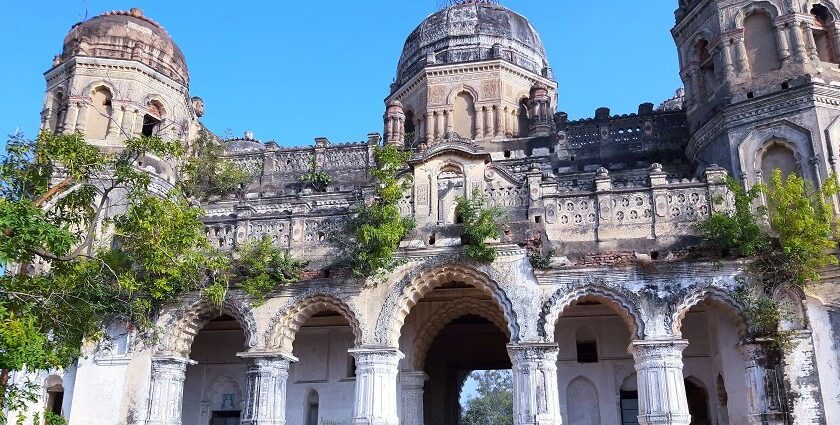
[4, 383]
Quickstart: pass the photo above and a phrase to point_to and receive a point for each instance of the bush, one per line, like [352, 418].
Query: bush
[480, 224]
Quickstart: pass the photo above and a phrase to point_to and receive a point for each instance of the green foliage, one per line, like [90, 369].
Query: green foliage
[794, 248]
[738, 231]
[51, 418]
[206, 174]
[539, 261]
[379, 227]
[317, 179]
[493, 402]
[260, 267]
[480, 224]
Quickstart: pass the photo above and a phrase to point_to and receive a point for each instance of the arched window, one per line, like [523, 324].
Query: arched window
[698, 401]
[99, 113]
[523, 118]
[778, 155]
[312, 408]
[706, 67]
[56, 112]
[823, 30]
[464, 115]
[153, 118]
[582, 402]
[760, 41]
[629, 401]
[55, 394]
[587, 347]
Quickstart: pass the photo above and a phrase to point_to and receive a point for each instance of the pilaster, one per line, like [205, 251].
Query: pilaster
[376, 385]
[762, 386]
[265, 397]
[659, 371]
[167, 390]
[412, 384]
[535, 397]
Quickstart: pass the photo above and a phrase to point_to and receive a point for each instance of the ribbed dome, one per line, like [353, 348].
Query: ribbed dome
[467, 31]
[127, 35]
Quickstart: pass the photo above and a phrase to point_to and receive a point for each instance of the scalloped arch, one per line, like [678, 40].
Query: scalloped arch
[407, 293]
[286, 325]
[719, 295]
[449, 312]
[185, 324]
[617, 301]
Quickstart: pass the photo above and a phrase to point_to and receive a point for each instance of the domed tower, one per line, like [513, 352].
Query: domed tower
[119, 75]
[468, 70]
[761, 84]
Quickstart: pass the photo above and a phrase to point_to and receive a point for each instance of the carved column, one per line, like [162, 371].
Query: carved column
[450, 120]
[662, 398]
[167, 390]
[70, 117]
[812, 43]
[376, 385]
[835, 51]
[728, 66]
[743, 60]
[265, 396]
[430, 127]
[81, 119]
[115, 123]
[535, 396]
[798, 43]
[479, 122]
[782, 42]
[412, 397]
[438, 124]
[762, 390]
[500, 119]
[138, 122]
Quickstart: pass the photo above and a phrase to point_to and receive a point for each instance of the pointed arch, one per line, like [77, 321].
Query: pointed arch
[414, 286]
[719, 295]
[621, 303]
[214, 393]
[450, 311]
[183, 325]
[285, 326]
[582, 403]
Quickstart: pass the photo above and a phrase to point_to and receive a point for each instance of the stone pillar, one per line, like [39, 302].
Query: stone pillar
[479, 122]
[70, 117]
[265, 396]
[128, 122]
[743, 60]
[802, 380]
[138, 123]
[835, 51]
[798, 43]
[439, 124]
[662, 398]
[782, 43]
[167, 390]
[412, 397]
[430, 127]
[115, 123]
[535, 397]
[376, 385]
[450, 120]
[812, 43]
[728, 66]
[762, 391]
[82, 117]
[498, 129]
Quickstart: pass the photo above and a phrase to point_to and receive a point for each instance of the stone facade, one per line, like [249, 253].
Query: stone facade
[626, 326]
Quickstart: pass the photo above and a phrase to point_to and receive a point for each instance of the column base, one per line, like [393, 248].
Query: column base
[664, 419]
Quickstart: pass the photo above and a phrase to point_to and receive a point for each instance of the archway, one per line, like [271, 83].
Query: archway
[318, 331]
[712, 362]
[214, 388]
[453, 327]
[593, 332]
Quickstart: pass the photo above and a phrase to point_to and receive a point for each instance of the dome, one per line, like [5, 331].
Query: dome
[127, 35]
[468, 31]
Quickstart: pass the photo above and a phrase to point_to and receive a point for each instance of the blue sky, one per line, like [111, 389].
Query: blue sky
[293, 71]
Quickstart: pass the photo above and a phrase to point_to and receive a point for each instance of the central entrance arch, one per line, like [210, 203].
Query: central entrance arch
[453, 324]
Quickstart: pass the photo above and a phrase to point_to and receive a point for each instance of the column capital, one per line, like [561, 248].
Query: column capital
[376, 355]
[266, 355]
[533, 351]
[413, 380]
[169, 360]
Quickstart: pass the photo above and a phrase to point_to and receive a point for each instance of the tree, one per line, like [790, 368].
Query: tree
[480, 224]
[86, 241]
[493, 402]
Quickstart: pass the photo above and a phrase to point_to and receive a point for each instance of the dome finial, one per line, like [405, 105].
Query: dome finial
[136, 12]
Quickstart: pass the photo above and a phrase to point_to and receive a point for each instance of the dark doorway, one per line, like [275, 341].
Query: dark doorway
[225, 418]
[698, 402]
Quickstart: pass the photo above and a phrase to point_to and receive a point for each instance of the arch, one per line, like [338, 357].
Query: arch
[791, 135]
[617, 301]
[522, 116]
[287, 323]
[90, 88]
[760, 41]
[218, 387]
[446, 314]
[461, 88]
[754, 7]
[99, 113]
[414, 286]
[54, 388]
[463, 115]
[777, 154]
[582, 403]
[710, 293]
[830, 7]
[698, 400]
[183, 325]
[312, 404]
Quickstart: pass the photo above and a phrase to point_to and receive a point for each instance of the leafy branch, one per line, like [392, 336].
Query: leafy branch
[316, 179]
[481, 223]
